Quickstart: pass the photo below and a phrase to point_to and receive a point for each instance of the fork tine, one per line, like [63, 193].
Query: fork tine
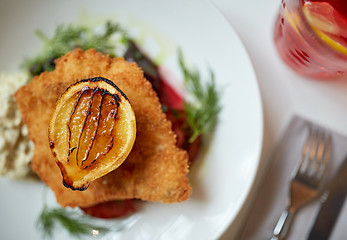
[303, 162]
[319, 157]
[325, 155]
[327, 152]
[315, 146]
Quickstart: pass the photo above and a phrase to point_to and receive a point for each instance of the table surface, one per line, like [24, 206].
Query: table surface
[284, 93]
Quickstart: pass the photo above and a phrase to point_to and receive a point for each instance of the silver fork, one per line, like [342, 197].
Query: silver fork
[305, 184]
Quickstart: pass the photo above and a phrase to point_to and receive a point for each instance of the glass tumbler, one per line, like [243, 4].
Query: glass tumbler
[311, 37]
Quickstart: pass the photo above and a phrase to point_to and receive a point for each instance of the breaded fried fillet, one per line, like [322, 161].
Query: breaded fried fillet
[155, 170]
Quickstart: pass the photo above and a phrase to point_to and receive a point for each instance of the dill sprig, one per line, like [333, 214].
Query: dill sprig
[75, 224]
[202, 111]
[65, 39]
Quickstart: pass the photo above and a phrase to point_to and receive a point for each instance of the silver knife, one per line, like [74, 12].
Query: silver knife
[331, 207]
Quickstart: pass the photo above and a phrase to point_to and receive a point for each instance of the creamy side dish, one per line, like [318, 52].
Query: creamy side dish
[16, 150]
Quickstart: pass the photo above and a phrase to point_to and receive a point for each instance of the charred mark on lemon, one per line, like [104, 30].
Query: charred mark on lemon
[91, 132]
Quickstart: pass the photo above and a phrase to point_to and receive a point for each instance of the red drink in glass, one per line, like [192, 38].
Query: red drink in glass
[311, 37]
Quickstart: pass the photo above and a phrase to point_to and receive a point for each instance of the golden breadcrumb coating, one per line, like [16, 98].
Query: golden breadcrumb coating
[155, 170]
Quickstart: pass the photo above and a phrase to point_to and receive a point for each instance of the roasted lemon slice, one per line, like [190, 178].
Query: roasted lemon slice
[91, 131]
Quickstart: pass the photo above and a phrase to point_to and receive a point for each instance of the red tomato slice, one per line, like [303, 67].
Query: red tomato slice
[169, 97]
[180, 126]
[111, 209]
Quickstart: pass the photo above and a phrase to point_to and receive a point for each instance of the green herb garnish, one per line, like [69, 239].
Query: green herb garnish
[202, 111]
[68, 37]
[75, 224]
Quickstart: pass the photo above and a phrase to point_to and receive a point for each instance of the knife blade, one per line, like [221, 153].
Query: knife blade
[330, 208]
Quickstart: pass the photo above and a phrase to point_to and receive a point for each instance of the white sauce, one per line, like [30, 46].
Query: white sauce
[16, 150]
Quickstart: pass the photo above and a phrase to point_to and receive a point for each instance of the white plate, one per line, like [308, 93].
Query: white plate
[223, 176]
